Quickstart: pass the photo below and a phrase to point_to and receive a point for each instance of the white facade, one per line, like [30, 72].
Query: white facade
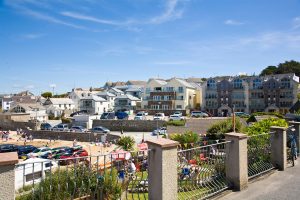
[94, 105]
[109, 97]
[6, 103]
[77, 94]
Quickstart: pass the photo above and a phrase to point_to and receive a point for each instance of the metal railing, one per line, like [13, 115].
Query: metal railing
[201, 171]
[259, 154]
[292, 149]
[111, 176]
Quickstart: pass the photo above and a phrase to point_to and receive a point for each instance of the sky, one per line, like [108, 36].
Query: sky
[83, 43]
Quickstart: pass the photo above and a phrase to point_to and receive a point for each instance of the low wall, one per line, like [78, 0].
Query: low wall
[70, 136]
[12, 125]
[129, 125]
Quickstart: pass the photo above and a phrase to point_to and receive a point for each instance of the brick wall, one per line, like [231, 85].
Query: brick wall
[129, 125]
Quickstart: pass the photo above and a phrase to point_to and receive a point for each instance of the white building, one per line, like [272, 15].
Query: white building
[94, 105]
[77, 94]
[109, 97]
[116, 91]
[126, 102]
[57, 106]
[36, 111]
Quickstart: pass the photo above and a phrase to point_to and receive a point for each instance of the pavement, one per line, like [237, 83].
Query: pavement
[281, 185]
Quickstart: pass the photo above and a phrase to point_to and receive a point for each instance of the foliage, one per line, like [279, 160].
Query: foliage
[186, 140]
[282, 68]
[46, 95]
[264, 126]
[252, 117]
[298, 96]
[217, 130]
[66, 120]
[75, 183]
[126, 143]
[64, 95]
[176, 123]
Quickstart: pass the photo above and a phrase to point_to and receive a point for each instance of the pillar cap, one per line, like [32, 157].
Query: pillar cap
[278, 127]
[10, 158]
[163, 143]
[294, 122]
[237, 135]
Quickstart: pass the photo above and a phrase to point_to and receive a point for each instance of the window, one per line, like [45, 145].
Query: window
[156, 98]
[285, 83]
[167, 97]
[178, 106]
[211, 84]
[165, 107]
[87, 103]
[158, 89]
[237, 84]
[169, 89]
[180, 98]
[257, 84]
[180, 89]
[148, 90]
[59, 105]
[33, 176]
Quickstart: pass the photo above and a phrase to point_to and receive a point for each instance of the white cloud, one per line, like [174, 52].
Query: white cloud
[171, 13]
[233, 22]
[31, 36]
[296, 22]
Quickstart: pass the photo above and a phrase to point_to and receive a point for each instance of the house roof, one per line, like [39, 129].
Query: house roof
[105, 93]
[128, 96]
[116, 90]
[94, 97]
[134, 82]
[61, 101]
[185, 83]
[29, 106]
[134, 89]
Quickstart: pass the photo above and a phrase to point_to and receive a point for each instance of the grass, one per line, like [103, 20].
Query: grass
[176, 123]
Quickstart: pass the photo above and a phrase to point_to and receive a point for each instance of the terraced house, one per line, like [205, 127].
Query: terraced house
[170, 95]
[272, 93]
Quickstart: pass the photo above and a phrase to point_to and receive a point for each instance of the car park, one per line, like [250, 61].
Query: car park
[241, 114]
[69, 158]
[8, 148]
[24, 150]
[99, 129]
[199, 114]
[178, 113]
[140, 116]
[176, 118]
[61, 127]
[45, 126]
[159, 116]
[79, 129]
[40, 152]
[160, 131]
[108, 115]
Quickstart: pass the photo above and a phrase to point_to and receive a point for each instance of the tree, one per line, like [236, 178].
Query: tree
[283, 68]
[298, 96]
[186, 140]
[46, 95]
[126, 143]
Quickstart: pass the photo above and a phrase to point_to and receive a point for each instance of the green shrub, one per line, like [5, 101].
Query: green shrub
[186, 140]
[176, 123]
[263, 126]
[69, 184]
[217, 130]
[126, 143]
[66, 120]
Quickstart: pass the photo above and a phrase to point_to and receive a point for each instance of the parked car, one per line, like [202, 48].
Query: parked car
[69, 158]
[159, 116]
[140, 116]
[199, 114]
[160, 131]
[8, 148]
[61, 127]
[178, 113]
[39, 152]
[79, 129]
[241, 114]
[24, 150]
[45, 126]
[143, 112]
[57, 152]
[100, 129]
[108, 115]
[121, 115]
[176, 118]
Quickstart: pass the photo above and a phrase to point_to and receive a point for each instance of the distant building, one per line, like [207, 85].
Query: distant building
[36, 111]
[77, 94]
[126, 102]
[58, 106]
[94, 105]
[273, 93]
[171, 95]
[10, 101]
[109, 97]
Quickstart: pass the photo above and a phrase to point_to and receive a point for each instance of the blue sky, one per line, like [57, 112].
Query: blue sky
[85, 43]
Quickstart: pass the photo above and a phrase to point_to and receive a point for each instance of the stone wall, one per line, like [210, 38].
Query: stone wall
[70, 136]
[13, 125]
[129, 125]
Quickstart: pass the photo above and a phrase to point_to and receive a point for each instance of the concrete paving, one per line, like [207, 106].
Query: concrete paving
[278, 186]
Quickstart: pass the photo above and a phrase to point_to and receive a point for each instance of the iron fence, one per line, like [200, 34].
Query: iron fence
[111, 176]
[259, 154]
[292, 148]
[201, 171]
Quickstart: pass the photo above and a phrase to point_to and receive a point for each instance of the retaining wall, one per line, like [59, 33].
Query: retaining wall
[70, 136]
[129, 125]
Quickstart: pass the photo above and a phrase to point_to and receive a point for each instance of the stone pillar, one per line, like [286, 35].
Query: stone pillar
[236, 162]
[7, 175]
[278, 147]
[162, 171]
[297, 132]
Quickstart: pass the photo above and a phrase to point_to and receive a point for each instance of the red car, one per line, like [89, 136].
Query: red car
[69, 158]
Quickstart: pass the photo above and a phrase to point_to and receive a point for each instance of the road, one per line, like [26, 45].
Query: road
[278, 186]
[138, 136]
